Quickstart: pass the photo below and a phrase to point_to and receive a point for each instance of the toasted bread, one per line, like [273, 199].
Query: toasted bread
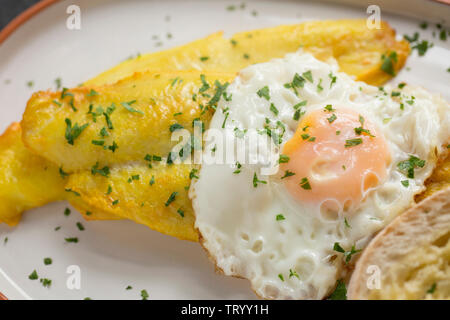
[410, 258]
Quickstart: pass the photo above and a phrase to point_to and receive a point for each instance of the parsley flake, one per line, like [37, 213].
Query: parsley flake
[73, 132]
[304, 183]
[264, 93]
[171, 198]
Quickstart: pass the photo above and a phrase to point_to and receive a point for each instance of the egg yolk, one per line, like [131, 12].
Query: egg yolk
[335, 157]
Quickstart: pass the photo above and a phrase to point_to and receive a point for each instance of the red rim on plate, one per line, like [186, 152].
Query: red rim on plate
[23, 17]
[35, 9]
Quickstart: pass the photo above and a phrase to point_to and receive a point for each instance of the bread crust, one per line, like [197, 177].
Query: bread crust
[420, 225]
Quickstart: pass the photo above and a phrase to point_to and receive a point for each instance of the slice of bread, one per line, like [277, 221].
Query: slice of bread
[410, 258]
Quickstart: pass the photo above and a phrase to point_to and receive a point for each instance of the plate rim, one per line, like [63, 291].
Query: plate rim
[24, 17]
[37, 8]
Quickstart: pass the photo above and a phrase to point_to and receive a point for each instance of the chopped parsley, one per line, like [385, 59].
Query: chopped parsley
[283, 158]
[410, 39]
[408, 166]
[113, 147]
[48, 261]
[71, 240]
[305, 136]
[67, 212]
[432, 288]
[405, 183]
[127, 105]
[73, 132]
[66, 93]
[264, 93]
[388, 62]
[62, 173]
[239, 133]
[281, 277]
[205, 85]
[319, 86]
[308, 76]
[58, 83]
[288, 173]
[443, 35]
[256, 181]
[361, 130]
[297, 82]
[333, 79]
[298, 110]
[46, 282]
[346, 223]
[220, 90]
[175, 126]
[332, 118]
[422, 47]
[115, 202]
[144, 294]
[304, 183]
[340, 293]
[92, 93]
[329, 108]
[80, 226]
[204, 58]
[193, 174]
[293, 273]
[238, 168]
[103, 171]
[353, 142]
[128, 288]
[104, 132]
[171, 198]
[347, 254]
[180, 212]
[274, 109]
[174, 81]
[72, 191]
[98, 142]
[280, 217]
[33, 275]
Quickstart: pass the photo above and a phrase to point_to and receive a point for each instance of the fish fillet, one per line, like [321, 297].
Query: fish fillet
[356, 48]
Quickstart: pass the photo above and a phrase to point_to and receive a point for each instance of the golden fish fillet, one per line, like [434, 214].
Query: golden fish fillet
[356, 48]
[121, 122]
[156, 197]
[28, 181]
[121, 182]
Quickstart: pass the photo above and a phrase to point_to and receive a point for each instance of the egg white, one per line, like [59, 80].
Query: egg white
[294, 258]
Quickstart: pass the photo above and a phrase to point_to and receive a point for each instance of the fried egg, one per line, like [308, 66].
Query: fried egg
[348, 158]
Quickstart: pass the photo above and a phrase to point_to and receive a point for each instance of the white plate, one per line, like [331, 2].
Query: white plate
[115, 254]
